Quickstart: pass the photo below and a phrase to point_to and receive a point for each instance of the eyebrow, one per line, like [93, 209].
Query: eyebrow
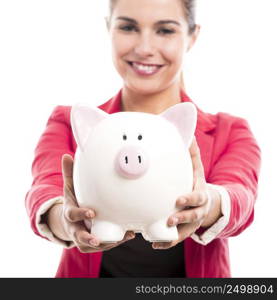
[161, 22]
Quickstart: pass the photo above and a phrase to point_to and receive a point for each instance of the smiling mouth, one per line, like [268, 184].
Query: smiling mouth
[145, 69]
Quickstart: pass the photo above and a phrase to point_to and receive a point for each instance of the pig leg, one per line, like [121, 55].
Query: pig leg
[107, 232]
[159, 231]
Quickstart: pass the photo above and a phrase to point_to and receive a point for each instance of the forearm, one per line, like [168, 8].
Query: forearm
[54, 221]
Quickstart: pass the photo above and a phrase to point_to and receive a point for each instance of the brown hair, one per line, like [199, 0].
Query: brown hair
[189, 9]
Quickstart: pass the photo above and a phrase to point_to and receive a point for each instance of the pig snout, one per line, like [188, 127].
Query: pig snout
[131, 162]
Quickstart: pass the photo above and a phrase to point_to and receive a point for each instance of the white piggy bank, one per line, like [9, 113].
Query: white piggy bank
[130, 168]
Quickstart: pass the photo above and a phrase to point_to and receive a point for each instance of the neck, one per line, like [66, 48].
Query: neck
[150, 103]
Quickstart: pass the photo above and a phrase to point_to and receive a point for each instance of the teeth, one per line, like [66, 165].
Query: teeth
[146, 69]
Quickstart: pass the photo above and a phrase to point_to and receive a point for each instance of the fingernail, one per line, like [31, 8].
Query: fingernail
[89, 214]
[173, 221]
[93, 242]
[182, 200]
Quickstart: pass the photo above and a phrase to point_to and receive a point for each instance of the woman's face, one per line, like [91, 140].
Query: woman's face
[149, 39]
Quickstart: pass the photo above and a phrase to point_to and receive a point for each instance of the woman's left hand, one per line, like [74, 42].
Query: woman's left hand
[201, 207]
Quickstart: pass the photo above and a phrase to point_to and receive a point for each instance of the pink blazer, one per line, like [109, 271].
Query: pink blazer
[231, 158]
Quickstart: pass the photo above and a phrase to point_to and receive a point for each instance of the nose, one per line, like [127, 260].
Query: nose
[131, 162]
[144, 46]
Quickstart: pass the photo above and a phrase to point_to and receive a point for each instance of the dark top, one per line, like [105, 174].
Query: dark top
[137, 258]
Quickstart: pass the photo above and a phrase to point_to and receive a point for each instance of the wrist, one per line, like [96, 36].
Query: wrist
[215, 211]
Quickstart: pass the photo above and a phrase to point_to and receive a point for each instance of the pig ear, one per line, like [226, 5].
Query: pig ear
[184, 117]
[83, 120]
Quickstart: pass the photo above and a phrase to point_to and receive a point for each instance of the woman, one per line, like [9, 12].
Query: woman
[150, 40]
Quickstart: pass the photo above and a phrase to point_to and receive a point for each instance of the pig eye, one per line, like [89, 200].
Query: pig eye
[124, 137]
[140, 137]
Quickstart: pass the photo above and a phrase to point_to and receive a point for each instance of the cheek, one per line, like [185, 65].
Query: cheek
[121, 45]
[173, 51]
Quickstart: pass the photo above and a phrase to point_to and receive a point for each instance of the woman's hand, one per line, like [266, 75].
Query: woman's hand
[201, 207]
[66, 220]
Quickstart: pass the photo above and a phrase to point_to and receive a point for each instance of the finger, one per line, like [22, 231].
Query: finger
[196, 158]
[67, 172]
[164, 245]
[196, 198]
[199, 182]
[81, 236]
[184, 231]
[86, 239]
[92, 249]
[69, 194]
[67, 166]
[188, 216]
[86, 243]
[76, 214]
[88, 249]
[198, 169]
[128, 236]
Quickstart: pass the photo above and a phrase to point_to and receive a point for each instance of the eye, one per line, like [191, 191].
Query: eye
[124, 137]
[128, 28]
[140, 137]
[165, 31]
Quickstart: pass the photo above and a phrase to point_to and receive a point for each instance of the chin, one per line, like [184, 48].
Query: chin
[146, 89]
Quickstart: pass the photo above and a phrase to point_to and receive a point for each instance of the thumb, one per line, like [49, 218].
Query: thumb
[67, 166]
[198, 168]
[67, 171]
[199, 183]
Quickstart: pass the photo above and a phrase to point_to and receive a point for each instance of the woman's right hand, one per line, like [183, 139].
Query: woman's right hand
[67, 220]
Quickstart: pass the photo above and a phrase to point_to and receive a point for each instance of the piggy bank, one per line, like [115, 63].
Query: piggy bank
[130, 168]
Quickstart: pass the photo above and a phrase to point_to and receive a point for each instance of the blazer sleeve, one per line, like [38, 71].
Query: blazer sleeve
[237, 169]
[55, 141]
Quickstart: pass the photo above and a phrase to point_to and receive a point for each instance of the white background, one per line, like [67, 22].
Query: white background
[57, 52]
